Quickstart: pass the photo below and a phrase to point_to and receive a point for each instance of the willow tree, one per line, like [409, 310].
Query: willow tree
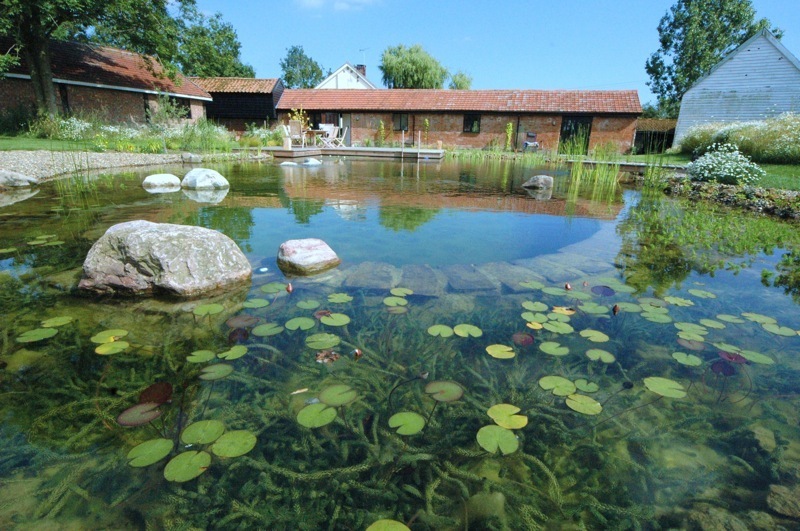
[411, 68]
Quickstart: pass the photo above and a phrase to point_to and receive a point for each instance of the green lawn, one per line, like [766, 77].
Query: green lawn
[11, 143]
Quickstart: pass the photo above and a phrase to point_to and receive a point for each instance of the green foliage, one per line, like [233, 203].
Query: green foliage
[412, 67]
[460, 81]
[380, 139]
[694, 35]
[724, 164]
[210, 47]
[300, 70]
[509, 135]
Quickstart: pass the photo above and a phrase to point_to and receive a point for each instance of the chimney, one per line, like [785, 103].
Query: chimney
[362, 69]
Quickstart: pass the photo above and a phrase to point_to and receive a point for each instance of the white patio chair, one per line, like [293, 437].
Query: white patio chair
[338, 140]
[296, 133]
[329, 139]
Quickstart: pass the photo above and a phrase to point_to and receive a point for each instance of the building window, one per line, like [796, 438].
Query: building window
[400, 122]
[472, 123]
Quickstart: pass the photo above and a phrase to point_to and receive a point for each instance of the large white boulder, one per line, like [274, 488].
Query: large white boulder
[161, 182]
[204, 179]
[140, 257]
[13, 179]
[306, 257]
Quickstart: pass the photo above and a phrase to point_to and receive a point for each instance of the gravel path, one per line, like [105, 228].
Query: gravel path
[45, 165]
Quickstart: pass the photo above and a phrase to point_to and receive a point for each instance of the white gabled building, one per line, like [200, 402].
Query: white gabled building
[347, 76]
[759, 79]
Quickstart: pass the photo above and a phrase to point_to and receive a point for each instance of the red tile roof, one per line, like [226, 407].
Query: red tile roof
[530, 101]
[107, 67]
[236, 84]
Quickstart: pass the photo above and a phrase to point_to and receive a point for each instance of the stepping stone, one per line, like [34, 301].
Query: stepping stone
[423, 280]
[372, 275]
[509, 275]
[550, 269]
[588, 264]
[466, 277]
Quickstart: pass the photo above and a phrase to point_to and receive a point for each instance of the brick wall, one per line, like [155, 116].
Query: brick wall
[619, 131]
[16, 93]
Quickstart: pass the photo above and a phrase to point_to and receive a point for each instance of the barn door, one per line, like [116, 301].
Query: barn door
[575, 132]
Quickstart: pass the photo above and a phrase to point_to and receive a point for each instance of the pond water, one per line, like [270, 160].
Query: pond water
[482, 359]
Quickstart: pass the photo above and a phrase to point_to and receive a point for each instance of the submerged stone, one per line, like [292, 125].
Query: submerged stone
[422, 280]
[372, 275]
[465, 277]
[538, 182]
[306, 257]
[13, 179]
[140, 257]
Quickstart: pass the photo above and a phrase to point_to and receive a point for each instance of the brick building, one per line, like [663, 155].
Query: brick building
[108, 83]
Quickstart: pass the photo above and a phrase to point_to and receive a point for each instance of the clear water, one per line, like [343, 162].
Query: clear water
[652, 284]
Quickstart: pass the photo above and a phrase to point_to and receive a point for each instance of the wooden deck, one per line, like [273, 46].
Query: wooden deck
[357, 152]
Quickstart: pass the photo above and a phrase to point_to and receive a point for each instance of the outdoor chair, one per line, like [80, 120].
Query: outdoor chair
[296, 133]
[329, 139]
[338, 139]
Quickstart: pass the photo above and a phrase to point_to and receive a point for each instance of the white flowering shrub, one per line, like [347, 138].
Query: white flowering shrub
[724, 164]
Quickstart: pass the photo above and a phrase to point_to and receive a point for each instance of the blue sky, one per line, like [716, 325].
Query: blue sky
[513, 44]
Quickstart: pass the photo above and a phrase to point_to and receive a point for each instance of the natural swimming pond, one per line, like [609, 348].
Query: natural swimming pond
[482, 359]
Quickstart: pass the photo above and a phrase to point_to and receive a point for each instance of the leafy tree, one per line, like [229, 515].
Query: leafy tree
[209, 47]
[694, 35]
[411, 68]
[300, 70]
[460, 81]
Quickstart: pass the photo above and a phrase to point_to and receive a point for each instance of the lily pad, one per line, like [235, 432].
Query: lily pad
[440, 330]
[553, 348]
[335, 319]
[558, 327]
[300, 323]
[395, 301]
[692, 345]
[208, 309]
[665, 387]
[401, 292]
[186, 466]
[603, 291]
[679, 301]
[233, 353]
[505, 415]
[564, 310]
[242, 320]
[502, 352]
[730, 318]
[594, 308]
[339, 298]
[139, 414]
[558, 385]
[691, 336]
[535, 306]
[115, 347]
[388, 525]
[687, 359]
[586, 386]
[234, 443]
[55, 322]
[467, 330]
[710, 323]
[756, 357]
[217, 371]
[107, 336]
[550, 290]
[532, 284]
[594, 335]
[776, 329]
[273, 287]
[338, 395]
[691, 327]
[493, 438]
[37, 334]
[316, 415]
[444, 391]
[559, 317]
[584, 404]
[201, 356]
[149, 452]
[267, 329]
[703, 294]
[660, 318]
[629, 307]
[534, 317]
[159, 392]
[202, 432]
[727, 347]
[407, 422]
[322, 341]
[255, 303]
[595, 354]
[308, 304]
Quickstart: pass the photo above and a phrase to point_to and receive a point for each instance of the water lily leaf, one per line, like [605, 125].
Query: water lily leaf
[629, 307]
[467, 330]
[594, 335]
[338, 395]
[335, 319]
[233, 353]
[558, 317]
[564, 310]
[595, 354]
[401, 292]
[616, 284]
[534, 325]
[339, 298]
[756, 357]
[652, 301]
[322, 341]
[187, 466]
[665, 387]
[594, 308]
[300, 323]
[679, 301]
[710, 323]
[149, 452]
[586, 386]
[396, 310]
[558, 327]
[139, 414]
[273, 287]
[107, 336]
[501, 352]
[550, 290]
[215, 372]
[532, 317]
[440, 330]
[208, 309]
[691, 336]
[267, 329]
[727, 347]
[316, 415]
[407, 422]
[692, 345]
[493, 438]
[687, 359]
[532, 284]
[603, 291]
[558, 385]
[691, 327]
[255, 303]
[37, 334]
[308, 304]
[444, 391]
[395, 301]
[534, 306]
[584, 404]
[553, 348]
[776, 329]
[505, 415]
[115, 347]
[159, 392]
[702, 294]
[730, 318]
[234, 443]
[388, 525]
[55, 322]
[200, 356]
[580, 295]
[202, 432]
[657, 317]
